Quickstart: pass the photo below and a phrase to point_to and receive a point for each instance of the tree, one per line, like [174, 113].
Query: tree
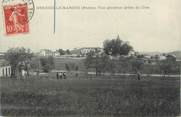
[98, 62]
[47, 63]
[137, 64]
[19, 58]
[72, 67]
[167, 66]
[67, 67]
[123, 64]
[61, 51]
[68, 51]
[89, 61]
[76, 70]
[35, 64]
[104, 64]
[140, 56]
[116, 47]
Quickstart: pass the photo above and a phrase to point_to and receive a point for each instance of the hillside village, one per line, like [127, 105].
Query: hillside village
[82, 52]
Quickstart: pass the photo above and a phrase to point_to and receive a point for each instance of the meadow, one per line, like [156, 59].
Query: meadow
[60, 63]
[116, 68]
[95, 97]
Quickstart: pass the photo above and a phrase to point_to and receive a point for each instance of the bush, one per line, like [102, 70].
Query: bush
[47, 63]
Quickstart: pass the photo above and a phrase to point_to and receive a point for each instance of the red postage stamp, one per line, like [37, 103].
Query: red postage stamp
[16, 18]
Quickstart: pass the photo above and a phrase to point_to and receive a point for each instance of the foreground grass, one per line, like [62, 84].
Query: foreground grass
[86, 97]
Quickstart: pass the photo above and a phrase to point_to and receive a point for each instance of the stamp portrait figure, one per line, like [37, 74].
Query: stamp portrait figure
[16, 18]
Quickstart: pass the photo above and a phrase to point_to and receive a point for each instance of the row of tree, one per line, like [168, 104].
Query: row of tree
[63, 52]
[116, 48]
[103, 63]
[19, 59]
[22, 59]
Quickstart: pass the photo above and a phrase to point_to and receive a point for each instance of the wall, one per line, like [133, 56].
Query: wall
[5, 71]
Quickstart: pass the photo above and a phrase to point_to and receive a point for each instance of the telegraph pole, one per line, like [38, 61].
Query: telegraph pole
[54, 24]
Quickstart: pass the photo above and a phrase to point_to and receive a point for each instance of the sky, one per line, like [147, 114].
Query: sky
[154, 28]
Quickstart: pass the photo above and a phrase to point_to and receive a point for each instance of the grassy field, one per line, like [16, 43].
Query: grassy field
[60, 63]
[79, 62]
[90, 97]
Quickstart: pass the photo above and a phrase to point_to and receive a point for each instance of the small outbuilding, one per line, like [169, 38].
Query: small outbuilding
[5, 68]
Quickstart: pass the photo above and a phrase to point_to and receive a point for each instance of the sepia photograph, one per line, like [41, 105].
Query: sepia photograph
[90, 58]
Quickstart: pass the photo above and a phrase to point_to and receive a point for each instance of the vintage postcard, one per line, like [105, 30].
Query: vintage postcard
[90, 58]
